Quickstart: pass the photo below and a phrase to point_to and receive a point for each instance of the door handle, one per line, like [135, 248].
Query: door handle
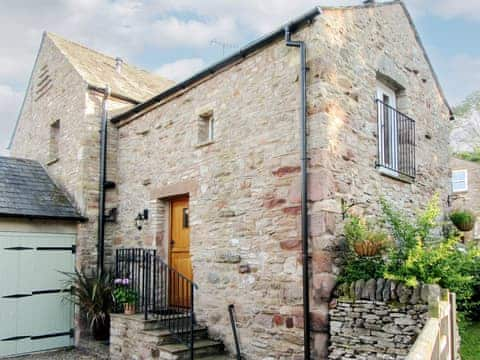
[172, 242]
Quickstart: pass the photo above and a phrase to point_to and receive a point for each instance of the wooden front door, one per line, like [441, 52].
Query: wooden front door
[180, 253]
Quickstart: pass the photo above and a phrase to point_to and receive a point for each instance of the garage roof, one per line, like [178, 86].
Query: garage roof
[26, 190]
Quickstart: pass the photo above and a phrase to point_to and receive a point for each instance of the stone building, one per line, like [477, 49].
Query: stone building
[59, 122]
[466, 190]
[464, 140]
[227, 143]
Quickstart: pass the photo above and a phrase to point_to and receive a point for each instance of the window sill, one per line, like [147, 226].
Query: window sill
[206, 143]
[52, 161]
[395, 175]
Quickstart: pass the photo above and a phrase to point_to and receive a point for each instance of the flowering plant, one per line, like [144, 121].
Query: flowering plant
[122, 293]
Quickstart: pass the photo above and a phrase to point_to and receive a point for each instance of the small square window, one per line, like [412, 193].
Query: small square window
[54, 140]
[459, 180]
[206, 128]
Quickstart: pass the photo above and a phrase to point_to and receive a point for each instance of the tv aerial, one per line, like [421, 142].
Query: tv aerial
[223, 44]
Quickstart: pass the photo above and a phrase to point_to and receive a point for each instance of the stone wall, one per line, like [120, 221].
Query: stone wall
[127, 337]
[58, 92]
[244, 187]
[378, 319]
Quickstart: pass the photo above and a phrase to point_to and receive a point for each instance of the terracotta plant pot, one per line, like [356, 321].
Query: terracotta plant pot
[129, 309]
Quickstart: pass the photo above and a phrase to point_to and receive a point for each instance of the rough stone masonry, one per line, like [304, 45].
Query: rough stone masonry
[377, 319]
[243, 186]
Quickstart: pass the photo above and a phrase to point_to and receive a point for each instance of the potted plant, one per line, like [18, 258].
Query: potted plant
[93, 294]
[125, 296]
[363, 239]
[464, 220]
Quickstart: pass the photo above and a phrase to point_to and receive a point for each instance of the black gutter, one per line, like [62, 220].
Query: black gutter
[241, 54]
[103, 171]
[78, 218]
[304, 187]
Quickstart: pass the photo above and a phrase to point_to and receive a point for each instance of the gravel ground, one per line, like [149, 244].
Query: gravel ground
[87, 350]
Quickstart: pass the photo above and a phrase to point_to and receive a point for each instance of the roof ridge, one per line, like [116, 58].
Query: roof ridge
[98, 69]
[361, 6]
[53, 35]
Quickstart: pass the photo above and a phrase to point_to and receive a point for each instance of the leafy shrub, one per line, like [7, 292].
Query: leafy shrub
[361, 268]
[464, 220]
[470, 155]
[409, 236]
[421, 257]
[420, 254]
[364, 249]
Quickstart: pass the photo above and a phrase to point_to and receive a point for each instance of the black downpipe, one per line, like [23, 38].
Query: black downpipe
[231, 312]
[304, 189]
[102, 176]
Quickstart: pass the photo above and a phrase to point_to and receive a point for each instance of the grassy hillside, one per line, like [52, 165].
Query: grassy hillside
[470, 104]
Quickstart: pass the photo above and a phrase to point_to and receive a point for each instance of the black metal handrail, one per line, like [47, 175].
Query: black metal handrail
[163, 293]
[396, 140]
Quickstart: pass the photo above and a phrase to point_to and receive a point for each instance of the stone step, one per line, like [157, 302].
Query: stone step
[202, 348]
[158, 321]
[164, 336]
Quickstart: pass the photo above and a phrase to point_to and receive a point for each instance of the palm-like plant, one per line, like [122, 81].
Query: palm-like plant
[94, 295]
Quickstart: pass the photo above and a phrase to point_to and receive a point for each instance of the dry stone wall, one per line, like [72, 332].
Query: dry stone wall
[378, 319]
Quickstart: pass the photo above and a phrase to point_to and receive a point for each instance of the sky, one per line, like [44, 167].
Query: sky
[176, 38]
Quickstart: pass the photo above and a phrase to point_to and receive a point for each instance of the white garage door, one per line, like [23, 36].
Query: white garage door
[35, 314]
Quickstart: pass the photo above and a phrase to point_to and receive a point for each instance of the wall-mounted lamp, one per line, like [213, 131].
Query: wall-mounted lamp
[140, 219]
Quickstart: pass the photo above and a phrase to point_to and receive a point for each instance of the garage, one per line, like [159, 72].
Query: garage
[37, 246]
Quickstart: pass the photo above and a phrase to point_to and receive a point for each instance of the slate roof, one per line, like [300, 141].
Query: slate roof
[98, 69]
[26, 190]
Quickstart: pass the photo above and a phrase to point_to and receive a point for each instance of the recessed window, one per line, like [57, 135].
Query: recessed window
[459, 180]
[54, 140]
[396, 135]
[206, 126]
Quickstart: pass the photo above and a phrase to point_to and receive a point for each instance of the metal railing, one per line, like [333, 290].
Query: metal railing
[163, 293]
[396, 141]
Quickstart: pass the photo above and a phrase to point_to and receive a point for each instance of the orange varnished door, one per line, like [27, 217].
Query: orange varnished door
[180, 253]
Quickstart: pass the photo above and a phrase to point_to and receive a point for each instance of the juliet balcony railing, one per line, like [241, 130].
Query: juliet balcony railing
[396, 141]
[163, 293]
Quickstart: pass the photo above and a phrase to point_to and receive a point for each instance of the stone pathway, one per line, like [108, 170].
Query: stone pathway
[87, 350]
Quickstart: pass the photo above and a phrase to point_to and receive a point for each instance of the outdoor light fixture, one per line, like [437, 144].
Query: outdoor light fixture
[140, 219]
